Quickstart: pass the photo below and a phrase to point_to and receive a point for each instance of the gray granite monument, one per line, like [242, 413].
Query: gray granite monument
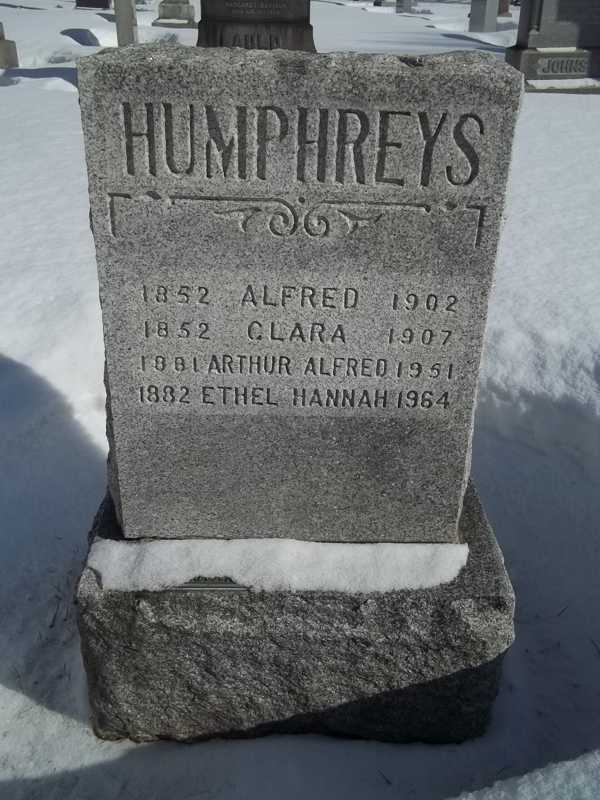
[558, 39]
[175, 14]
[295, 254]
[126, 22]
[484, 16]
[256, 24]
[8, 52]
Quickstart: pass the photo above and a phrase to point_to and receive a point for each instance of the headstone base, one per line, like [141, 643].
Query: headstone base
[555, 64]
[256, 36]
[8, 54]
[198, 662]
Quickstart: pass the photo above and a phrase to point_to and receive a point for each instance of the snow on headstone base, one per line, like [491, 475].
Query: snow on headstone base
[399, 666]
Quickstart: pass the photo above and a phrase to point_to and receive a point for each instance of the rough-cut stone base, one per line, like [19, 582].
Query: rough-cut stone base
[555, 64]
[401, 666]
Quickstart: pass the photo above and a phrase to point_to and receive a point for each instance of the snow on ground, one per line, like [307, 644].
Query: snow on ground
[535, 459]
[573, 780]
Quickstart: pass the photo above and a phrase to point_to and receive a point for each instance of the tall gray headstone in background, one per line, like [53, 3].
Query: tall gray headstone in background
[8, 52]
[483, 16]
[295, 255]
[558, 39]
[126, 22]
[256, 24]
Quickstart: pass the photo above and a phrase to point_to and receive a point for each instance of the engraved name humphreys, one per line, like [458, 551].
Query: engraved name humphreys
[345, 145]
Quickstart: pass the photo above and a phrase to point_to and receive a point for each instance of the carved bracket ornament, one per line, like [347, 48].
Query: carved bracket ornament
[283, 219]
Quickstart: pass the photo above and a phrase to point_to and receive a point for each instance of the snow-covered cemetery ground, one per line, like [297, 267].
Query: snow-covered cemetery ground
[536, 450]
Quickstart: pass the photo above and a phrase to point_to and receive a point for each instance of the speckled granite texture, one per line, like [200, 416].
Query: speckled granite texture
[295, 253]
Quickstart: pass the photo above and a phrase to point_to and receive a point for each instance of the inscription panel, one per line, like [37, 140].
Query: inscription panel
[294, 277]
[293, 348]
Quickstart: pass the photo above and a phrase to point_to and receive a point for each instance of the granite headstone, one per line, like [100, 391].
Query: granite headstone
[8, 52]
[126, 22]
[295, 255]
[256, 24]
[558, 39]
[483, 16]
[175, 14]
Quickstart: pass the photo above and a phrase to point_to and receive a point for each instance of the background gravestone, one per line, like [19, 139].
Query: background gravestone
[256, 24]
[558, 39]
[483, 16]
[175, 14]
[126, 22]
[8, 52]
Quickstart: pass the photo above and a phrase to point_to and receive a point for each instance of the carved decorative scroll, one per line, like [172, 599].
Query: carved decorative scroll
[282, 218]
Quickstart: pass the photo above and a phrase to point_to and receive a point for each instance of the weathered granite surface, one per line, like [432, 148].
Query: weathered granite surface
[295, 253]
[256, 24]
[399, 666]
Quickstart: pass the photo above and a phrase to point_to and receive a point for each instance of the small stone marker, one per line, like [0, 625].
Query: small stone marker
[294, 273]
[484, 16]
[504, 8]
[126, 21]
[256, 24]
[558, 39]
[175, 14]
[295, 253]
[8, 52]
